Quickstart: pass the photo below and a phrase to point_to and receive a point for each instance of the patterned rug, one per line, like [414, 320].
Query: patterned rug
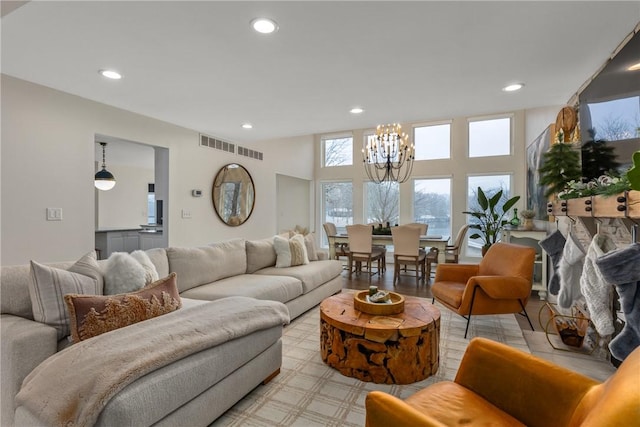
[308, 393]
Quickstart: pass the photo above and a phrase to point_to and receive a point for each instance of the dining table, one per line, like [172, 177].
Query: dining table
[435, 241]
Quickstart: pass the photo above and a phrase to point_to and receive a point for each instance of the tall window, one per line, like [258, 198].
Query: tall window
[432, 204]
[490, 137]
[338, 151]
[432, 142]
[490, 184]
[337, 205]
[382, 201]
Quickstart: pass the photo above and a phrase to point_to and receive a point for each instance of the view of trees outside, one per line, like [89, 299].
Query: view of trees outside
[432, 204]
[490, 184]
[490, 137]
[382, 202]
[615, 120]
[337, 205]
[338, 151]
[432, 142]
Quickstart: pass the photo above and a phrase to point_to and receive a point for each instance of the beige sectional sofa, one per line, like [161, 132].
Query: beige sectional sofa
[200, 387]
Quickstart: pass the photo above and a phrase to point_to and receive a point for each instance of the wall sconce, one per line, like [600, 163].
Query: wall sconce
[104, 180]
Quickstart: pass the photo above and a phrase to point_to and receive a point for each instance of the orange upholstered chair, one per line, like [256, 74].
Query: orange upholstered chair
[497, 385]
[500, 284]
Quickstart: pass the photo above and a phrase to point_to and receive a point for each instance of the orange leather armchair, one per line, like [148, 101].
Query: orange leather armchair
[500, 284]
[498, 385]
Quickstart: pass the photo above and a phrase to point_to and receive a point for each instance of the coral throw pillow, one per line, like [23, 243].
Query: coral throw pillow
[93, 315]
[290, 252]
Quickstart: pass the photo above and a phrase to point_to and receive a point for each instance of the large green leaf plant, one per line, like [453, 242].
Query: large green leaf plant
[490, 216]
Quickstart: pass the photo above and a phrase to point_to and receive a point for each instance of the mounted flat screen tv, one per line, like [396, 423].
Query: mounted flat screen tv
[610, 104]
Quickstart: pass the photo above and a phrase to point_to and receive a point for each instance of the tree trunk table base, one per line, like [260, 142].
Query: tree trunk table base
[396, 349]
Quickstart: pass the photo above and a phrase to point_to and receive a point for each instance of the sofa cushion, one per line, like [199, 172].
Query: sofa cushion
[198, 266]
[310, 243]
[158, 257]
[260, 254]
[93, 315]
[290, 252]
[311, 275]
[49, 285]
[275, 288]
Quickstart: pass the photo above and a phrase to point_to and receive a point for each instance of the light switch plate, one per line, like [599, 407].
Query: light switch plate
[186, 214]
[54, 214]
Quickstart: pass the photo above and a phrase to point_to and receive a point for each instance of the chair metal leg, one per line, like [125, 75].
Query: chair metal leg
[524, 313]
[473, 297]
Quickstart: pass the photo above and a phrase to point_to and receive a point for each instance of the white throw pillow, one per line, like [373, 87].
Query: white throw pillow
[290, 252]
[49, 285]
[123, 274]
[310, 243]
[151, 274]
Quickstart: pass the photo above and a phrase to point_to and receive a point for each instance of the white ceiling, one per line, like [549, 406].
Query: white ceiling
[199, 65]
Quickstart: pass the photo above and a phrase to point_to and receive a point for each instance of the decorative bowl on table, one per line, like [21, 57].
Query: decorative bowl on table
[394, 305]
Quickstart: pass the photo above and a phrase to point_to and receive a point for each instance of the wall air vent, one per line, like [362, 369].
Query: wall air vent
[247, 152]
[207, 141]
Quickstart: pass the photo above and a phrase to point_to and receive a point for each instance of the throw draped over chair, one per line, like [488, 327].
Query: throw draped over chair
[452, 252]
[362, 251]
[407, 251]
[499, 385]
[500, 284]
[341, 249]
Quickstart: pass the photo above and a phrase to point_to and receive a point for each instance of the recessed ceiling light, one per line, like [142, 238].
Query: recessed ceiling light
[110, 74]
[356, 110]
[634, 67]
[513, 87]
[247, 126]
[264, 25]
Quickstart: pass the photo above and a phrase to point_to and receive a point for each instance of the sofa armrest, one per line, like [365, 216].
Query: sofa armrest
[384, 410]
[513, 380]
[459, 273]
[25, 344]
[502, 287]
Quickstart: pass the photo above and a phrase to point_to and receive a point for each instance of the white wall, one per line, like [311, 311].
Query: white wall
[125, 205]
[48, 161]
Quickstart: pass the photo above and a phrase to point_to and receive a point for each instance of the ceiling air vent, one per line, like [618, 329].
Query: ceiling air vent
[247, 152]
[207, 141]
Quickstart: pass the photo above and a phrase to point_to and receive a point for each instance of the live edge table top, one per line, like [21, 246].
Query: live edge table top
[417, 316]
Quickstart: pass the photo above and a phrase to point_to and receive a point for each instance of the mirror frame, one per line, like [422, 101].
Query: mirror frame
[248, 195]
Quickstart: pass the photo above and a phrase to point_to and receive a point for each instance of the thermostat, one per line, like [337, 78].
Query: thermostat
[196, 193]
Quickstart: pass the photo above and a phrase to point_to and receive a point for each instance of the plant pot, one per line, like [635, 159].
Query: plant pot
[527, 224]
[485, 248]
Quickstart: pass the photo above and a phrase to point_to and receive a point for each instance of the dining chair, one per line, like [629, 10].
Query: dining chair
[362, 251]
[341, 249]
[407, 251]
[452, 252]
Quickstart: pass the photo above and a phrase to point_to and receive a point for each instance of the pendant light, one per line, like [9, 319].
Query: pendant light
[104, 179]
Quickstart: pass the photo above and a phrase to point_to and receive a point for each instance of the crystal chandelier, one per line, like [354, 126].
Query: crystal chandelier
[388, 156]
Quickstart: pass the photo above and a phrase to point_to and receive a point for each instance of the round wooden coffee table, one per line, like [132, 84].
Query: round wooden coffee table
[396, 349]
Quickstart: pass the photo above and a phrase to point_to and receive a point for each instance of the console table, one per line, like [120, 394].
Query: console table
[539, 282]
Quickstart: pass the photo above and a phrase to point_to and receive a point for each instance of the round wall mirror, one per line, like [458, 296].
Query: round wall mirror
[233, 194]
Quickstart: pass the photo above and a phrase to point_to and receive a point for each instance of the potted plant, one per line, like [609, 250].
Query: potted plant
[490, 217]
[528, 216]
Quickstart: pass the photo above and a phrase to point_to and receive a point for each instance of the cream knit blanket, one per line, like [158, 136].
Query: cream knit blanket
[72, 387]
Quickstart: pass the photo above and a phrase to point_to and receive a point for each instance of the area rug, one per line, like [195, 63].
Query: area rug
[309, 393]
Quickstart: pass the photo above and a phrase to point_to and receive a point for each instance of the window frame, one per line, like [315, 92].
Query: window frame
[323, 151]
[431, 124]
[510, 116]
